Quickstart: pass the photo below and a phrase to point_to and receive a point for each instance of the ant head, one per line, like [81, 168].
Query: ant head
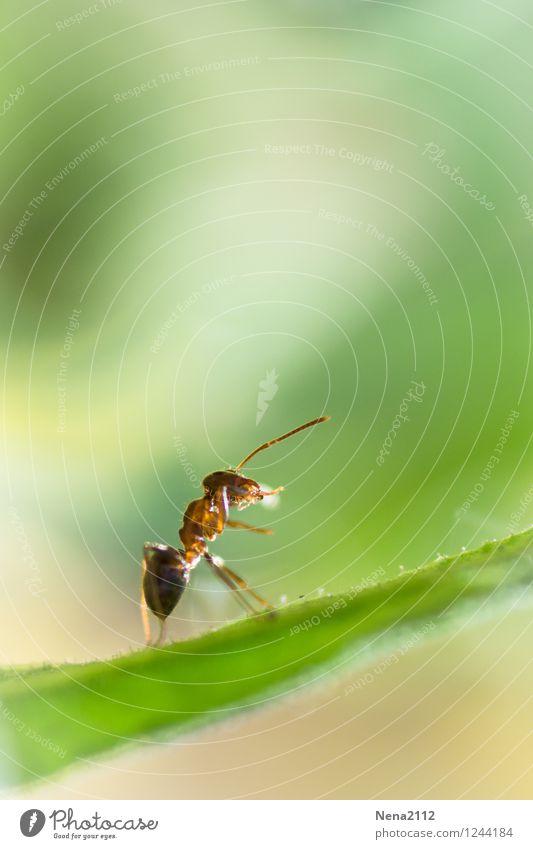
[244, 491]
[241, 491]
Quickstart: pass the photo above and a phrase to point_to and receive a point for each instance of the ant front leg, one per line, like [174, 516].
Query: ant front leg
[232, 523]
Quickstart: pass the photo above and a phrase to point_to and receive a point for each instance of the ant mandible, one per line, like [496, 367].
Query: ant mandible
[166, 570]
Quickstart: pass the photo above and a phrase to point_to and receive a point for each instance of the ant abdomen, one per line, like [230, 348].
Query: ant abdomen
[166, 576]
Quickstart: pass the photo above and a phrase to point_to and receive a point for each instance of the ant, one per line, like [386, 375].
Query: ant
[166, 570]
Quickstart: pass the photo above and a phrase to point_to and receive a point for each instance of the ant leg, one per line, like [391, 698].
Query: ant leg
[144, 608]
[231, 523]
[162, 633]
[222, 573]
[241, 583]
[236, 583]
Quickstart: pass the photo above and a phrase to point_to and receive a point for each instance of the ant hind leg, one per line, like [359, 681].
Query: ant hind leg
[144, 609]
[237, 585]
[162, 633]
[245, 587]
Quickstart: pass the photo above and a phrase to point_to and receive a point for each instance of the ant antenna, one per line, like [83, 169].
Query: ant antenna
[280, 439]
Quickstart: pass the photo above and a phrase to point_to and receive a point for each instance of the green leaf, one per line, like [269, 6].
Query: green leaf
[56, 716]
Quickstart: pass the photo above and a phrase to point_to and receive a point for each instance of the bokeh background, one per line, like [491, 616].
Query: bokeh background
[219, 220]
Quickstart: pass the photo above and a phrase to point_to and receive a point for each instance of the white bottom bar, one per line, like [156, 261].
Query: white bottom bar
[269, 825]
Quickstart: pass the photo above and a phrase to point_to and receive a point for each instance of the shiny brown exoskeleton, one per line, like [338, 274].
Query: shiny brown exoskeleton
[166, 570]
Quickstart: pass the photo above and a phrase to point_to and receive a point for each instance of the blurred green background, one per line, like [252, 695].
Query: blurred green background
[233, 211]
